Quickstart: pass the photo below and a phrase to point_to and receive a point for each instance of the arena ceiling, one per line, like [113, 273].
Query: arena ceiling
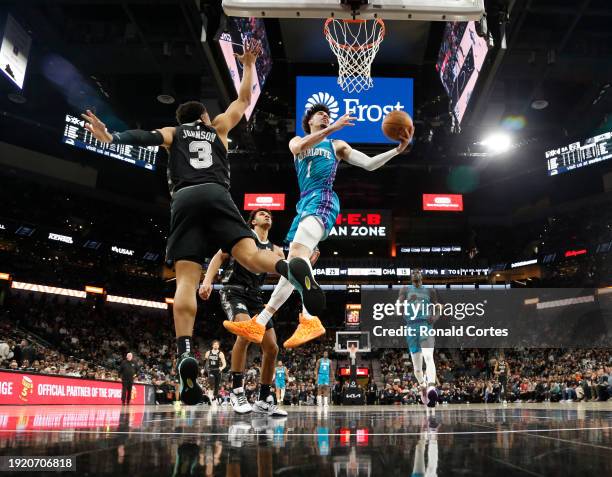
[126, 52]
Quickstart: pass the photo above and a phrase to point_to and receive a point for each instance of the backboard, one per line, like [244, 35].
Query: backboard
[345, 338]
[426, 10]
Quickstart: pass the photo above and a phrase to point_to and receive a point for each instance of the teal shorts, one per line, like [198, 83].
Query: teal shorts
[415, 342]
[322, 203]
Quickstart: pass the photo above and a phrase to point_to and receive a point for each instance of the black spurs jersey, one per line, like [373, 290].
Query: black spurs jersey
[501, 367]
[236, 274]
[214, 361]
[197, 156]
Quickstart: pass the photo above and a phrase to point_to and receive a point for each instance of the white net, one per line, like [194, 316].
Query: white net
[355, 44]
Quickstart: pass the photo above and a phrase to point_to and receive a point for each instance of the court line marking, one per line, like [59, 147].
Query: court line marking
[307, 434]
[578, 443]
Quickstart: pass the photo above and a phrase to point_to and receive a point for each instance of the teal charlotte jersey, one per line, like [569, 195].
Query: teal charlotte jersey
[316, 169]
[279, 377]
[324, 369]
[416, 321]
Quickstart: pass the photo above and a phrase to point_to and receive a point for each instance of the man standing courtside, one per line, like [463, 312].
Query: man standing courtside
[127, 371]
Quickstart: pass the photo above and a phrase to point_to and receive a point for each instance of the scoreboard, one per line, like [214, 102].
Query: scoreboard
[76, 135]
[577, 154]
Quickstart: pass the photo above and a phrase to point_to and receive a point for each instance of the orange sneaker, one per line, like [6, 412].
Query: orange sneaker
[308, 329]
[250, 329]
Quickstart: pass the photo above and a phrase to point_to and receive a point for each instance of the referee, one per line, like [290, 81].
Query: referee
[127, 372]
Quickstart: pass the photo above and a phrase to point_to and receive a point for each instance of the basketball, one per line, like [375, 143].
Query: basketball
[395, 122]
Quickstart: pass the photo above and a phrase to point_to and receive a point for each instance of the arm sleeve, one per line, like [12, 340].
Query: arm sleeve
[359, 159]
[138, 137]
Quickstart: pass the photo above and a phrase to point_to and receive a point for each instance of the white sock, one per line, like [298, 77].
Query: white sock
[281, 292]
[430, 366]
[305, 313]
[263, 317]
[417, 363]
[319, 400]
[325, 400]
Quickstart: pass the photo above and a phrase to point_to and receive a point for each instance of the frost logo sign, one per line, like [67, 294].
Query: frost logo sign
[326, 99]
[369, 107]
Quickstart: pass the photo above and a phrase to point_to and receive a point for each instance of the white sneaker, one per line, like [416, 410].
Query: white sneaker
[268, 407]
[424, 399]
[239, 401]
[239, 433]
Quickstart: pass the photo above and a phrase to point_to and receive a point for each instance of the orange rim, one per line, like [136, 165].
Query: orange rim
[367, 46]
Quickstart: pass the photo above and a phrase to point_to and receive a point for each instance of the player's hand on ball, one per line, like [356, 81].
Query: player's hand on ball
[405, 138]
[205, 291]
[346, 120]
[96, 127]
[250, 51]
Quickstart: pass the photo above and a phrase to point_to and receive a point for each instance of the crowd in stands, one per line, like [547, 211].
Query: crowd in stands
[536, 375]
[47, 334]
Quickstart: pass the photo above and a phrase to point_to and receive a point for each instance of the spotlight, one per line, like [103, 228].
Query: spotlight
[165, 98]
[497, 143]
[539, 104]
[17, 98]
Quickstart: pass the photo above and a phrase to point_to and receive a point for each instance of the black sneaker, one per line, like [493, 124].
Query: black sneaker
[304, 282]
[190, 391]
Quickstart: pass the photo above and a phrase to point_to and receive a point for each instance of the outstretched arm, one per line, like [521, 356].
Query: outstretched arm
[299, 144]
[226, 121]
[359, 159]
[211, 273]
[134, 137]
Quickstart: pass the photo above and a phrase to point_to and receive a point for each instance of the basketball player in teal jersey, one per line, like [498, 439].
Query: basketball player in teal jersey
[420, 344]
[316, 160]
[281, 376]
[323, 372]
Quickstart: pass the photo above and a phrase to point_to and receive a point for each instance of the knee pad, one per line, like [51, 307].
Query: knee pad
[309, 233]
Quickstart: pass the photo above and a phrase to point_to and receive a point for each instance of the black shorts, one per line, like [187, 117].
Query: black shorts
[203, 219]
[236, 300]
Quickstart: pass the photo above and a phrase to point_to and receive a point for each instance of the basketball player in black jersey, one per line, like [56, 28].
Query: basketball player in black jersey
[203, 216]
[241, 299]
[502, 370]
[215, 364]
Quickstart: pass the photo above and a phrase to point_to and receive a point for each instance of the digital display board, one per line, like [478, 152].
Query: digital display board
[443, 202]
[460, 61]
[238, 31]
[352, 315]
[362, 224]
[14, 51]
[266, 201]
[577, 154]
[76, 135]
[368, 107]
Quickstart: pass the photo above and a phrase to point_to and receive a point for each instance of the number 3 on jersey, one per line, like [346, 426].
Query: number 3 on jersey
[200, 154]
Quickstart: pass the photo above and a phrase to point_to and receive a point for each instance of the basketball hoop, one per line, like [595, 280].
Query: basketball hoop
[355, 44]
[353, 352]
